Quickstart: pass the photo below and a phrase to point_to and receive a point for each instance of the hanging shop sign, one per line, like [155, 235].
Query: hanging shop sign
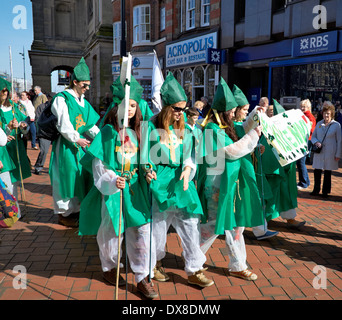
[287, 133]
[190, 51]
[315, 44]
[216, 56]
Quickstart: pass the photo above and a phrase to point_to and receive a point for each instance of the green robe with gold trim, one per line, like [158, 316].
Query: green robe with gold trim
[167, 159]
[238, 206]
[107, 147]
[15, 147]
[73, 180]
[279, 183]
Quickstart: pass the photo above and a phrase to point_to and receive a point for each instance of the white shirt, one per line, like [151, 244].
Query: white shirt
[29, 108]
[60, 109]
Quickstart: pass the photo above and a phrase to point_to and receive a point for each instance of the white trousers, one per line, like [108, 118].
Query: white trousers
[137, 246]
[235, 241]
[262, 229]
[187, 228]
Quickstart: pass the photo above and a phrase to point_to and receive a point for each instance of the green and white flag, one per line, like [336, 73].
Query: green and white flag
[287, 133]
[125, 79]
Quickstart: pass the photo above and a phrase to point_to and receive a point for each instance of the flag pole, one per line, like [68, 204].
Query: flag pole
[126, 79]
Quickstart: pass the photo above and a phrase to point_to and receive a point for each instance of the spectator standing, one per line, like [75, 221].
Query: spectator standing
[206, 106]
[30, 111]
[44, 144]
[304, 181]
[39, 98]
[328, 130]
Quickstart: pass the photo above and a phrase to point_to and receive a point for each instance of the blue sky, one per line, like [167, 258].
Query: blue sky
[15, 36]
[17, 31]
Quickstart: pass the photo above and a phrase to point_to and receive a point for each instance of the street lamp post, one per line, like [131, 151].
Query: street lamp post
[123, 31]
[23, 55]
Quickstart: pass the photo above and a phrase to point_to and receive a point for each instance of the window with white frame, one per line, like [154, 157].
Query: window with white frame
[116, 37]
[190, 14]
[205, 13]
[162, 19]
[141, 24]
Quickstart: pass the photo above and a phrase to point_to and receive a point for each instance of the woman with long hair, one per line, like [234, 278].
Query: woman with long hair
[13, 123]
[111, 151]
[222, 181]
[175, 200]
[30, 111]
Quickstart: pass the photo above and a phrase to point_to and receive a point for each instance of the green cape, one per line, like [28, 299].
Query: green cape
[136, 204]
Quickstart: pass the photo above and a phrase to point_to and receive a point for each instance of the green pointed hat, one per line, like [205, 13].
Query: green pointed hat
[136, 90]
[81, 71]
[239, 96]
[5, 84]
[171, 91]
[224, 99]
[277, 107]
[118, 90]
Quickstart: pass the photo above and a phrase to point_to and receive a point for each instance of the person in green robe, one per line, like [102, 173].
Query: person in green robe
[114, 163]
[282, 183]
[226, 180]
[76, 122]
[168, 149]
[13, 122]
[258, 192]
[195, 130]
[143, 105]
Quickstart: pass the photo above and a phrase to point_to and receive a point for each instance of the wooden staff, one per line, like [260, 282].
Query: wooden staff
[16, 133]
[126, 83]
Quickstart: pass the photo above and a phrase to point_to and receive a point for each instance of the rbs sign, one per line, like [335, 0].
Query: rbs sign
[315, 44]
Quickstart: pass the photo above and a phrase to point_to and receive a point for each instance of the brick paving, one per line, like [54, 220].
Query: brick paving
[61, 265]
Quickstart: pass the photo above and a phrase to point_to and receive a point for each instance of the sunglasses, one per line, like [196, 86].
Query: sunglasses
[178, 109]
[85, 86]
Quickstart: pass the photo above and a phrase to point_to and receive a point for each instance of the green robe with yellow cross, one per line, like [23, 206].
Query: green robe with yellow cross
[239, 204]
[278, 183]
[73, 180]
[167, 159]
[15, 148]
[107, 147]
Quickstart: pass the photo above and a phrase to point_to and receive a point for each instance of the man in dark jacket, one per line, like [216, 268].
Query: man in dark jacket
[44, 144]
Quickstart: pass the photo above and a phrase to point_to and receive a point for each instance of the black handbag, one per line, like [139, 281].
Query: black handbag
[315, 148]
[47, 124]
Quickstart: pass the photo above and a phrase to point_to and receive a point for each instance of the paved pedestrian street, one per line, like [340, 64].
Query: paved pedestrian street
[61, 265]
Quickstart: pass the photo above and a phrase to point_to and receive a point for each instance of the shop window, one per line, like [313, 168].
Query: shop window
[199, 76]
[210, 82]
[312, 81]
[188, 83]
[205, 13]
[141, 24]
[178, 76]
